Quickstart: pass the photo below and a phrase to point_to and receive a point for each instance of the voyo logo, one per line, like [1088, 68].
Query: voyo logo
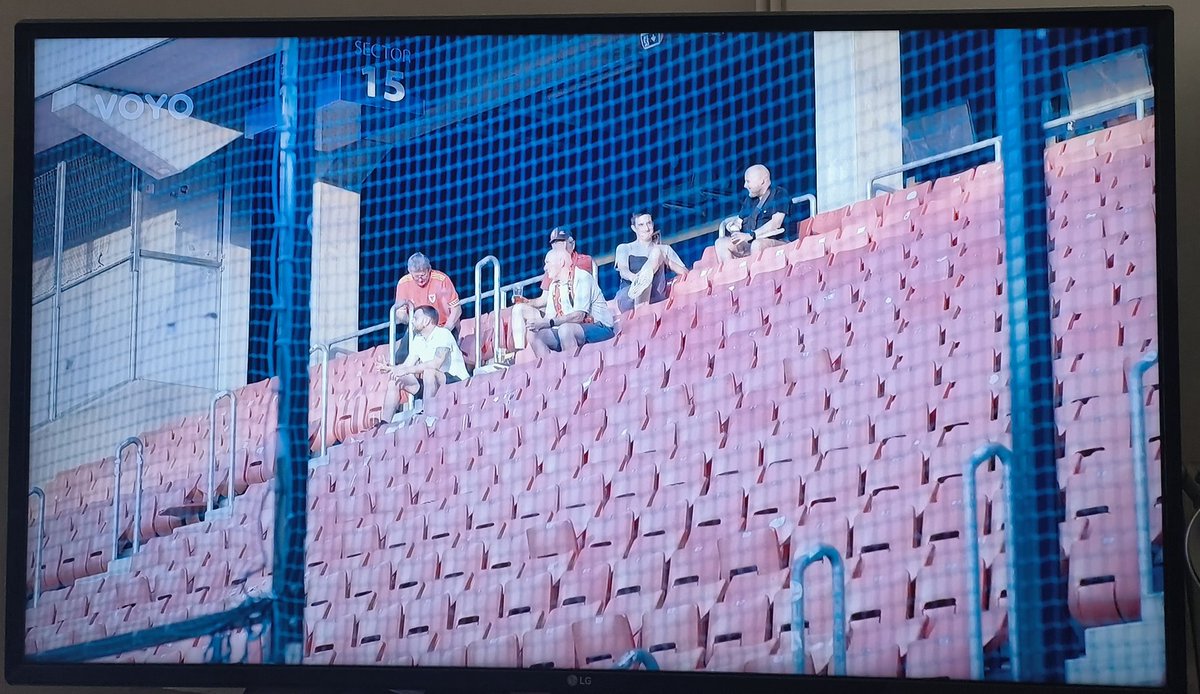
[133, 107]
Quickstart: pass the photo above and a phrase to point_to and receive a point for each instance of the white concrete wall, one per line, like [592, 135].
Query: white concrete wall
[335, 264]
[858, 112]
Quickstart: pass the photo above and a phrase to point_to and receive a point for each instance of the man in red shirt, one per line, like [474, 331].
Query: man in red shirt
[424, 286]
[531, 310]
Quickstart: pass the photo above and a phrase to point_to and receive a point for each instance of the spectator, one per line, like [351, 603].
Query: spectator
[525, 311]
[762, 221]
[643, 264]
[424, 286]
[433, 361]
[576, 311]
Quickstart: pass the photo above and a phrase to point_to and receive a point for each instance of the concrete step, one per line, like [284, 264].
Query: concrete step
[1124, 654]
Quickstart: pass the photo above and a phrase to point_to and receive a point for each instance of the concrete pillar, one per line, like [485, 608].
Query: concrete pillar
[858, 112]
[335, 264]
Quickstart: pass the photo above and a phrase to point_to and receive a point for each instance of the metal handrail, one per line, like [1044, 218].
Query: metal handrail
[1141, 485]
[212, 446]
[497, 306]
[1136, 99]
[810, 198]
[323, 350]
[391, 325]
[974, 594]
[992, 143]
[137, 496]
[637, 656]
[41, 535]
[813, 555]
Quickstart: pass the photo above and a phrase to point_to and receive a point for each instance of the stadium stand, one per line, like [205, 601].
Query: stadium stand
[650, 492]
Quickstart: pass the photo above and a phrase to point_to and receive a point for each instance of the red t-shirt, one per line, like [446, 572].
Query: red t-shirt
[579, 260]
[438, 292]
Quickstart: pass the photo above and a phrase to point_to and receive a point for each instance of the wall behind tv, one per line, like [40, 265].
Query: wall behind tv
[1187, 17]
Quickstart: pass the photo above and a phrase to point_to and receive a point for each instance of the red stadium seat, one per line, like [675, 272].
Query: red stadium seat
[673, 630]
[743, 622]
[639, 583]
[607, 539]
[548, 648]
[602, 641]
[694, 576]
[502, 651]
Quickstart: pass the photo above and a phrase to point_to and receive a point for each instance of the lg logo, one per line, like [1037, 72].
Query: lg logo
[132, 107]
[576, 681]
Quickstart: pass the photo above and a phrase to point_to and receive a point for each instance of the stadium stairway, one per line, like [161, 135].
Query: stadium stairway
[1132, 654]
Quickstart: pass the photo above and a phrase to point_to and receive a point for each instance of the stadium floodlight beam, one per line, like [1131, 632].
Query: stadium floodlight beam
[152, 134]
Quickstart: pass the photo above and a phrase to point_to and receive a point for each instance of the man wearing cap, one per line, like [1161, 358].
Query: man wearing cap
[424, 286]
[576, 311]
[526, 311]
[762, 221]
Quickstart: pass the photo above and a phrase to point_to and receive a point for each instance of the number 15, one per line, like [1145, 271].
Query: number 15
[393, 87]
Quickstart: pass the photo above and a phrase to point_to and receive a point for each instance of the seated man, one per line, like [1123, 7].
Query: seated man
[576, 311]
[643, 265]
[424, 286]
[529, 310]
[433, 360]
[762, 221]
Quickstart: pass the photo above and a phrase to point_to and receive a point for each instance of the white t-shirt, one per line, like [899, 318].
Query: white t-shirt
[424, 348]
[587, 298]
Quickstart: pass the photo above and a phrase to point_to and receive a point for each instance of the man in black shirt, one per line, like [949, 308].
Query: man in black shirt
[762, 221]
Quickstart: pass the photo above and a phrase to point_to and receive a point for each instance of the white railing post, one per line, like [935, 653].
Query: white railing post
[212, 446]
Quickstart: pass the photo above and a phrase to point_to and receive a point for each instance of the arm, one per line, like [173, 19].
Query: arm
[440, 356]
[454, 317]
[572, 317]
[772, 227]
[622, 263]
[673, 262]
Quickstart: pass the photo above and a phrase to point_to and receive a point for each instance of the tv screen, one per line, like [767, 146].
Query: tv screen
[751, 351]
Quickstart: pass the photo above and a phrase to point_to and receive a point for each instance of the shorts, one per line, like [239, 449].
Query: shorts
[420, 394]
[592, 332]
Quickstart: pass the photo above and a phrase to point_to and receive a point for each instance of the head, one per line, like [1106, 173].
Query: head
[643, 226]
[561, 238]
[424, 318]
[758, 180]
[418, 267]
[558, 263]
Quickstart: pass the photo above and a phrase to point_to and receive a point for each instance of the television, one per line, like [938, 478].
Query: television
[625, 352]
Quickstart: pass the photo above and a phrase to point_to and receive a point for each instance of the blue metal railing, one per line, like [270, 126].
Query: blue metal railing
[41, 535]
[636, 657]
[799, 566]
[137, 496]
[974, 596]
[1141, 484]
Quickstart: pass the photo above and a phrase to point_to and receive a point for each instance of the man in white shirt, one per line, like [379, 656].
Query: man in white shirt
[576, 311]
[433, 361]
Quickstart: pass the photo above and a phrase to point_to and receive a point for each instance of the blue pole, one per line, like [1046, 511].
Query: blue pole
[1036, 584]
[799, 566]
[1141, 485]
[290, 295]
[974, 598]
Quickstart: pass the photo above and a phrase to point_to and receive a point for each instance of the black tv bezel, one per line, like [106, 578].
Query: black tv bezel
[18, 669]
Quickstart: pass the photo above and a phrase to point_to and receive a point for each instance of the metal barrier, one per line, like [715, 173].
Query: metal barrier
[41, 536]
[799, 566]
[638, 656]
[1141, 485]
[323, 350]
[1137, 100]
[992, 143]
[212, 446]
[497, 306]
[137, 496]
[974, 594]
[392, 330]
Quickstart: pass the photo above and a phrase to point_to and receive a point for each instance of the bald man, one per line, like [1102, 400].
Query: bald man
[576, 312]
[762, 221]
